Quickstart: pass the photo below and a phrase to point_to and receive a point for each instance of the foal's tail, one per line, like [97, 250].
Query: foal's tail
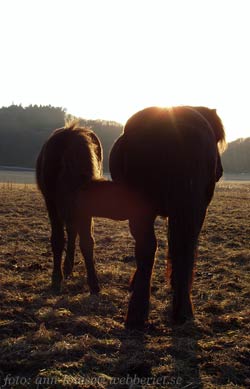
[81, 163]
[81, 159]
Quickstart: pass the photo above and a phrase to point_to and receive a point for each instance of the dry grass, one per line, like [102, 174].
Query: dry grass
[73, 339]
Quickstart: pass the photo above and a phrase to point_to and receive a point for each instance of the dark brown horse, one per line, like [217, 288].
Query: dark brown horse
[69, 160]
[171, 156]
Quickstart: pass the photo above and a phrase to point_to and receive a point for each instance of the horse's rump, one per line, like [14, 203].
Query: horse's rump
[174, 117]
[168, 153]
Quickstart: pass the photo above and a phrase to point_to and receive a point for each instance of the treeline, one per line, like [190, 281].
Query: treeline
[236, 158]
[24, 130]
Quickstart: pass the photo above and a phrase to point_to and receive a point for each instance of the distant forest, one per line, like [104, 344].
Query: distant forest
[24, 130]
[236, 158]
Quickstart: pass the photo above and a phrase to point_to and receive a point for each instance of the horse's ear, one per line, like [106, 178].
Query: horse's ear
[214, 110]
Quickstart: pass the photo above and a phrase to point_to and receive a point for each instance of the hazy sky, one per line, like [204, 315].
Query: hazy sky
[108, 58]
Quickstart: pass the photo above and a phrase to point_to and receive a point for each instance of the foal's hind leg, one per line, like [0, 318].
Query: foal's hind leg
[69, 259]
[145, 247]
[57, 244]
[87, 249]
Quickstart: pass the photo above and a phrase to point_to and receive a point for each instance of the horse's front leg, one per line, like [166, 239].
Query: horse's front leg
[87, 249]
[145, 247]
[70, 253]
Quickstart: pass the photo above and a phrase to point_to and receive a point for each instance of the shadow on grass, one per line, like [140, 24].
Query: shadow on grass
[135, 362]
[185, 352]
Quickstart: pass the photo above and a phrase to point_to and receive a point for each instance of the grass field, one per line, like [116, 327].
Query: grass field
[78, 341]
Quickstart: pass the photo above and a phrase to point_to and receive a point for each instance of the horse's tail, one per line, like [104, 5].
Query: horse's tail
[216, 124]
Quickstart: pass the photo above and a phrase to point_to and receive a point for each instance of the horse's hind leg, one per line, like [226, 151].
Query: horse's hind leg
[145, 247]
[70, 253]
[183, 235]
[57, 244]
[87, 249]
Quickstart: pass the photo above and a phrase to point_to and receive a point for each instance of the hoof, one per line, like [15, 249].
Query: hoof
[141, 327]
[182, 311]
[67, 273]
[135, 325]
[56, 282]
[56, 288]
[67, 270]
[180, 318]
[95, 290]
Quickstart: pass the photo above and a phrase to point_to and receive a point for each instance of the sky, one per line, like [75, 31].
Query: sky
[107, 59]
